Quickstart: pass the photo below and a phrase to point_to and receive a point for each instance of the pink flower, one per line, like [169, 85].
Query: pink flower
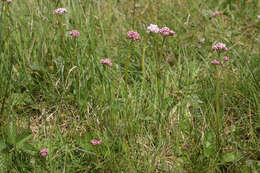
[74, 33]
[106, 62]
[133, 35]
[166, 32]
[44, 152]
[9, 1]
[95, 142]
[214, 62]
[201, 40]
[219, 47]
[258, 16]
[152, 28]
[60, 11]
[225, 58]
[137, 5]
[217, 13]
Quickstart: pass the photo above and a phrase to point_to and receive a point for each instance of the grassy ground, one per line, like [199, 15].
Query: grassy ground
[161, 107]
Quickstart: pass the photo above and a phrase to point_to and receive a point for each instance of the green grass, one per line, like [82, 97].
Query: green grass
[55, 94]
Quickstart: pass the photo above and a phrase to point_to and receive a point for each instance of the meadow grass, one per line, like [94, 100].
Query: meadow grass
[161, 107]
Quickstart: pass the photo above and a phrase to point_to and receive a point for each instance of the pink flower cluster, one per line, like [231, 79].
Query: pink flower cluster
[220, 47]
[258, 16]
[133, 35]
[60, 11]
[165, 31]
[215, 62]
[106, 62]
[95, 142]
[74, 33]
[225, 58]
[44, 152]
[217, 13]
[152, 28]
[137, 5]
[9, 1]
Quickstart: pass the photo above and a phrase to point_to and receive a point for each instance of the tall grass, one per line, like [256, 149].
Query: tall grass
[155, 109]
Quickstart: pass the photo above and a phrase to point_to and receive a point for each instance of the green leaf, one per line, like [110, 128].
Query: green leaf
[22, 138]
[2, 145]
[231, 157]
[11, 133]
[28, 148]
[209, 144]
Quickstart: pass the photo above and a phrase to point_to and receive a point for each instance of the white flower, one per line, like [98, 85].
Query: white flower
[152, 28]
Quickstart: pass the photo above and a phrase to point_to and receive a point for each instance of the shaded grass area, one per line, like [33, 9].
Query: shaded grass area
[55, 93]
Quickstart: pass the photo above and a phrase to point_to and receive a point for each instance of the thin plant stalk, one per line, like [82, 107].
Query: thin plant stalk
[217, 100]
[160, 57]
[133, 22]
[143, 63]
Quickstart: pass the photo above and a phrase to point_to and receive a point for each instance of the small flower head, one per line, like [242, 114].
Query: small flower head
[9, 1]
[225, 58]
[217, 13]
[258, 16]
[165, 31]
[137, 5]
[95, 142]
[106, 62]
[74, 33]
[152, 28]
[220, 47]
[201, 40]
[133, 35]
[60, 11]
[44, 152]
[214, 62]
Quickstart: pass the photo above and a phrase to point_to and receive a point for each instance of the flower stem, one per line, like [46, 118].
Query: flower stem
[143, 62]
[160, 57]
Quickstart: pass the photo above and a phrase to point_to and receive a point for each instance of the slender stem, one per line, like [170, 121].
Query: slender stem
[126, 68]
[217, 98]
[133, 24]
[143, 64]
[218, 114]
[160, 57]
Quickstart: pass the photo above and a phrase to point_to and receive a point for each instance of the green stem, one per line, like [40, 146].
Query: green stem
[143, 62]
[160, 57]
[217, 98]
[133, 24]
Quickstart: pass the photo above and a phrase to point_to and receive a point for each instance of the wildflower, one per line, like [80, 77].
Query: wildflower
[106, 62]
[74, 33]
[133, 35]
[225, 58]
[152, 28]
[166, 32]
[258, 16]
[95, 142]
[219, 47]
[60, 11]
[137, 5]
[44, 152]
[214, 62]
[217, 13]
[9, 1]
[201, 40]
